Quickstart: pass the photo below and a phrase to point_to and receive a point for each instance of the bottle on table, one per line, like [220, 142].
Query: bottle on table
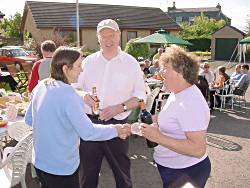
[146, 117]
[95, 108]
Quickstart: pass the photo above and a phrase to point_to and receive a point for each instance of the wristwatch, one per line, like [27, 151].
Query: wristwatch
[125, 108]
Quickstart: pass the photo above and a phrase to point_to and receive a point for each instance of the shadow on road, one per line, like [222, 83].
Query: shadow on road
[231, 122]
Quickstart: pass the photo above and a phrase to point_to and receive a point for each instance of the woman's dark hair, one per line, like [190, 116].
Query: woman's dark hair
[222, 69]
[245, 66]
[63, 56]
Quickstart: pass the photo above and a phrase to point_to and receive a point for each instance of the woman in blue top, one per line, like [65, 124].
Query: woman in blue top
[56, 113]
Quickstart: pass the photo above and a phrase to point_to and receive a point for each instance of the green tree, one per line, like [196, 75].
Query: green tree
[136, 49]
[203, 27]
[12, 26]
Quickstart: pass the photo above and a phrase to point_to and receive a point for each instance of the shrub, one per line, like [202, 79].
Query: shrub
[33, 45]
[137, 49]
[199, 44]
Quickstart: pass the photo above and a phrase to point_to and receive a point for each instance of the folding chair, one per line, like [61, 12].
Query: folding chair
[18, 76]
[27, 68]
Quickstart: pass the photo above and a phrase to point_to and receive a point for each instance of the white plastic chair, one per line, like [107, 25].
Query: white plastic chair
[161, 100]
[148, 90]
[227, 92]
[3, 135]
[15, 160]
[151, 97]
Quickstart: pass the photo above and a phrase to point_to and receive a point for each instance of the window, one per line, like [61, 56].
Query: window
[191, 20]
[178, 19]
[131, 35]
[7, 53]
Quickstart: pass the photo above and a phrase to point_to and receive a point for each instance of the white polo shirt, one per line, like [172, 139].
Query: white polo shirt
[116, 80]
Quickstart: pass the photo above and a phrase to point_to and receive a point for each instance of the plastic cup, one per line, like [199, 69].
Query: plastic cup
[11, 112]
[135, 129]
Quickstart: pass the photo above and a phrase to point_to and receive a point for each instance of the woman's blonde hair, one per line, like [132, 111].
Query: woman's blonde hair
[182, 62]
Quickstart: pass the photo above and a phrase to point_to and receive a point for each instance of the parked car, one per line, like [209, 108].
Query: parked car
[15, 55]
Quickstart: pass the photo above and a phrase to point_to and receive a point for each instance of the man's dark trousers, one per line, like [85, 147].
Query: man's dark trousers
[114, 150]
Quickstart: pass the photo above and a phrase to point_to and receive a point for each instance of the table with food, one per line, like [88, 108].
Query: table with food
[12, 110]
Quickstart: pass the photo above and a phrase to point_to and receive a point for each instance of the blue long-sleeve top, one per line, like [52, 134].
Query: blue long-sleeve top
[56, 113]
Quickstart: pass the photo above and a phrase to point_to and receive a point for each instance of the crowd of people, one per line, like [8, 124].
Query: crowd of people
[234, 83]
[70, 141]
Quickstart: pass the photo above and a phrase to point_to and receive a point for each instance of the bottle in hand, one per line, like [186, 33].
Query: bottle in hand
[146, 117]
[95, 108]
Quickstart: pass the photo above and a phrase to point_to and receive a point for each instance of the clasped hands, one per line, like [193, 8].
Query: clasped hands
[123, 130]
[150, 132]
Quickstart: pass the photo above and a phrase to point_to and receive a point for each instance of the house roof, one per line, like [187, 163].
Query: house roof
[57, 14]
[211, 11]
[201, 9]
[234, 28]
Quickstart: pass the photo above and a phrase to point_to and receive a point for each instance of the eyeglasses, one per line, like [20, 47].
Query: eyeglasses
[206, 67]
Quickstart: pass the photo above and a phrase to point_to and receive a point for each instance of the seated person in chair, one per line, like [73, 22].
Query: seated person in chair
[218, 85]
[209, 75]
[244, 79]
[237, 74]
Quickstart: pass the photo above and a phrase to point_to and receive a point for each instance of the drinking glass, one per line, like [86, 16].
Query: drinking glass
[11, 112]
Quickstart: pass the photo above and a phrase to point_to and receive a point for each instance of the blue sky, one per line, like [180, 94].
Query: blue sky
[237, 10]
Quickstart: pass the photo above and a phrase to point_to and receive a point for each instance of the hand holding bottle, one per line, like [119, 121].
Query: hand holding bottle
[146, 118]
[96, 106]
[151, 132]
[88, 99]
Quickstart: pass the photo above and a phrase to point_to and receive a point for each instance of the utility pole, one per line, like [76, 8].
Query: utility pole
[77, 24]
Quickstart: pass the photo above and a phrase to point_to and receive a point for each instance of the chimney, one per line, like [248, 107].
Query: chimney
[174, 5]
[172, 8]
[218, 6]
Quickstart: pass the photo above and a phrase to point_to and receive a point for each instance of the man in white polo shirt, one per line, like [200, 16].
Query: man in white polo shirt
[119, 84]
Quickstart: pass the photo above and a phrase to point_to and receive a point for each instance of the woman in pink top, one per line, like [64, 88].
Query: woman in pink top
[181, 154]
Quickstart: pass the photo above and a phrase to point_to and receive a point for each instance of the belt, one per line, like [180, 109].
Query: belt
[97, 120]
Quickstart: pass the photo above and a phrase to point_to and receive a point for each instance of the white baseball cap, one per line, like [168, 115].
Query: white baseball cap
[108, 23]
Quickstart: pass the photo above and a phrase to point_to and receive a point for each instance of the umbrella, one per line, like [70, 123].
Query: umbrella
[245, 40]
[162, 37]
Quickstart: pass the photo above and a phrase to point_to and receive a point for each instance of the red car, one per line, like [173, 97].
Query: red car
[14, 55]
